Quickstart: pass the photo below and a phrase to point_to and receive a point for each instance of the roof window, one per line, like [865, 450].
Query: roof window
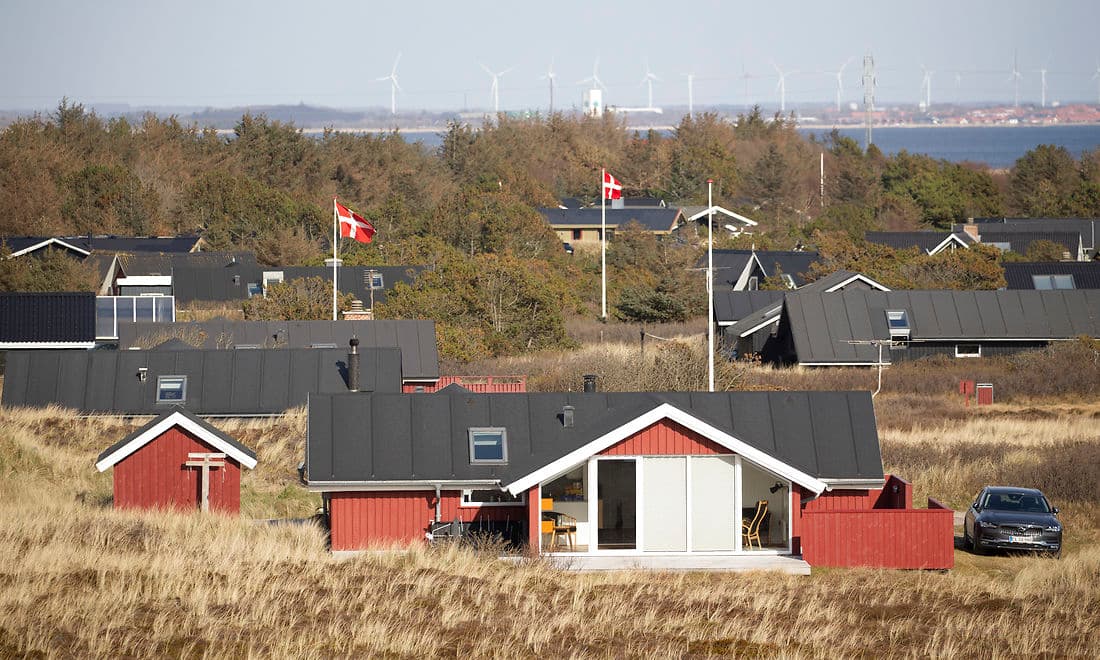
[898, 322]
[488, 446]
[1049, 282]
[171, 389]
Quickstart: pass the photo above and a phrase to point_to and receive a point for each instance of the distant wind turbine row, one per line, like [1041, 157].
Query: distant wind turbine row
[594, 82]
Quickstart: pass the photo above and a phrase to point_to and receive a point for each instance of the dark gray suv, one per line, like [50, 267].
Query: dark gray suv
[1006, 518]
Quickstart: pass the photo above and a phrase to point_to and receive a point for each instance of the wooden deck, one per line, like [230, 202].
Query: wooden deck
[734, 563]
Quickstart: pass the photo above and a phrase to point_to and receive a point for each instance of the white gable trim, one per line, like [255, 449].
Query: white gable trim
[16, 345]
[772, 318]
[726, 212]
[862, 278]
[667, 411]
[175, 419]
[47, 243]
[743, 280]
[943, 244]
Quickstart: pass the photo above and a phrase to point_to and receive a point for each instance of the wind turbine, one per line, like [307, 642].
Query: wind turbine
[839, 82]
[595, 77]
[1096, 76]
[550, 75]
[782, 87]
[1014, 78]
[648, 81]
[494, 89]
[691, 94]
[1043, 85]
[926, 86]
[393, 84]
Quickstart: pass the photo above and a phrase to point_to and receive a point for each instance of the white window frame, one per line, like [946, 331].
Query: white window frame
[898, 333]
[960, 354]
[467, 493]
[474, 431]
[168, 378]
[371, 286]
[788, 280]
[753, 284]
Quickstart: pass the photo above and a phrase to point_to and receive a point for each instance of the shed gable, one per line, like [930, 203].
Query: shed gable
[665, 437]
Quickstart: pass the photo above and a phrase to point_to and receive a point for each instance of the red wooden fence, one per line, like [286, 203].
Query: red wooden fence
[479, 384]
[880, 537]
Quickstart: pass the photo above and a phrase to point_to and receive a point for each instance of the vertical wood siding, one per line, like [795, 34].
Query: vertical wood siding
[154, 476]
[360, 520]
[663, 438]
[881, 538]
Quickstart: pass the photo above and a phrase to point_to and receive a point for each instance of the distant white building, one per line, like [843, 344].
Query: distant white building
[593, 102]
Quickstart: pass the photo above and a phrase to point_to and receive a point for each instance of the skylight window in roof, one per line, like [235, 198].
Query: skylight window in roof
[488, 445]
[898, 322]
[1049, 282]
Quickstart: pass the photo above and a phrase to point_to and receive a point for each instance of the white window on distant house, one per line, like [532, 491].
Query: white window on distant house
[788, 280]
[968, 350]
[254, 289]
[488, 445]
[898, 322]
[271, 277]
[373, 279]
[323, 345]
[492, 497]
[171, 389]
[1001, 245]
[1048, 282]
[754, 283]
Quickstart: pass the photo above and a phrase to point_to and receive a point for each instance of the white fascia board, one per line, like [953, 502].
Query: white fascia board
[315, 486]
[857, 277]
[743, 279]
[842, 364]
[176, 419]
[725, 324]
[943, 244]
[857, 484]
[48, 242]
[145, 280]
[667, 411]
[726, 212]
[771, 320]
[16, 345]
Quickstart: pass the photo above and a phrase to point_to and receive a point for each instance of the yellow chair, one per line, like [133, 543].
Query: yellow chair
[750, 529]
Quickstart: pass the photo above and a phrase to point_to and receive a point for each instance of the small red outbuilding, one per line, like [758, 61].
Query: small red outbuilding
[177, 461]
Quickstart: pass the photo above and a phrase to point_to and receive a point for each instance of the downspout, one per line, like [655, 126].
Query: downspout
[438, 512]
[879, 388]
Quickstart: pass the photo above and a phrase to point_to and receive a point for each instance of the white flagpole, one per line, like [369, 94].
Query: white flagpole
[710, 282]
[603, 239]
[335, 222]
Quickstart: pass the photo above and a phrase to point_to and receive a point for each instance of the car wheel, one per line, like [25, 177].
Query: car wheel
[968, 542]
[978, 548]
[1055, 554]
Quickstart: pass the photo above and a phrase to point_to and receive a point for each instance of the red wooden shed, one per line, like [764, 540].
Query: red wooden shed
[177, 461]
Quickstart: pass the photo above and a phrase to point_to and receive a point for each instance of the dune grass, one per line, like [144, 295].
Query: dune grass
[82, 580]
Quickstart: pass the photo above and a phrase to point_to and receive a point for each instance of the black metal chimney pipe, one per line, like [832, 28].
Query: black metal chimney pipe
[590, 382]
[353, 365]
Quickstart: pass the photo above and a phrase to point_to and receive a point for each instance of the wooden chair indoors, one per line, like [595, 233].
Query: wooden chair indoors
[750, 529]
[565, 526]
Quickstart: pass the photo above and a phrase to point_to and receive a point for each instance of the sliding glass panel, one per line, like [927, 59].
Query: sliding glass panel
[143, 309]
[664, 498]
[105, 317]
[163, 309]
[714, 521]
[617, 505]
[765, 498]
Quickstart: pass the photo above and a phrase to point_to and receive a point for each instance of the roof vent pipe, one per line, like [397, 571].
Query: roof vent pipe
[567, 417]
[353, 365]
[590, 382]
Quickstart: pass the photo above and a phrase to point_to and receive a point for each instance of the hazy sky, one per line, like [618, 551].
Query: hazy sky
[211, 53]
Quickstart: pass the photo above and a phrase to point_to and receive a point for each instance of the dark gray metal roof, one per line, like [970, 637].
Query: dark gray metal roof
[729, 264]
[382, 437]
[1087, 227]
[823, 324]
[416, 339]
[925, 240]
[730, 306]
[1020, 239]
[652, 219]
[231, 282]
[47, 317]
[145, 263]
[112, 243]
[1086, 274]
[243, 382]
[168, 412]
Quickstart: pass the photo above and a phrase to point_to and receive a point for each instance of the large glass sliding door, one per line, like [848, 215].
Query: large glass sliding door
[617, 504]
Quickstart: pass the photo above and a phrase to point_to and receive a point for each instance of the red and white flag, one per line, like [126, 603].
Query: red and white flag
[353, 225]
[612, 187]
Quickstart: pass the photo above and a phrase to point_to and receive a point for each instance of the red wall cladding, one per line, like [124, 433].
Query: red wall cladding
[155, 476]
[665, 437]
[880, 538]
[360, 520]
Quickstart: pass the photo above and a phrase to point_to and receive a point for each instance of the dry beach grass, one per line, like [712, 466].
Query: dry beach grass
[81, 580]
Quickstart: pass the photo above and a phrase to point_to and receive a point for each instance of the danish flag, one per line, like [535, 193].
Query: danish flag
[353, 225]
[612, 187]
